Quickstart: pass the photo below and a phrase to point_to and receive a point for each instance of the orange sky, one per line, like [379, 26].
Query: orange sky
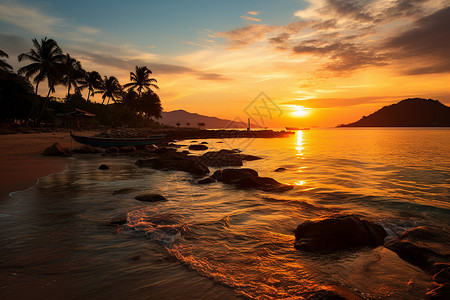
[330, 61]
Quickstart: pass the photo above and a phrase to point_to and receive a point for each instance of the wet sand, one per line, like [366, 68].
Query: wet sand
[21, 162]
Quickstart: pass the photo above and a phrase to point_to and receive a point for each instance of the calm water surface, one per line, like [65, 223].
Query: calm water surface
[217, 242]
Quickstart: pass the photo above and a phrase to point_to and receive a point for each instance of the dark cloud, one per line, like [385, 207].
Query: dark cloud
[280, 39]
[405, 8]
[428, 42]
[157, 68]
[355, 9]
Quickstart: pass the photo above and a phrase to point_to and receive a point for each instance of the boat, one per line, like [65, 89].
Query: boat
[117, 142]
[297, 128]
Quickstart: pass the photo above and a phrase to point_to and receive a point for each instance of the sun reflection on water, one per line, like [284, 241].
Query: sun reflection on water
[299, 147]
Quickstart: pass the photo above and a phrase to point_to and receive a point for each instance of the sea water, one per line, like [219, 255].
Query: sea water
[217, 242]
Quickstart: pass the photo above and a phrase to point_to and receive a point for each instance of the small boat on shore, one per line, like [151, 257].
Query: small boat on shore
[117, 142]
[296, 128]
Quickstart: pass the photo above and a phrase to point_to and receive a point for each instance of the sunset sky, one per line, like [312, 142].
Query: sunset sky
[320, 62]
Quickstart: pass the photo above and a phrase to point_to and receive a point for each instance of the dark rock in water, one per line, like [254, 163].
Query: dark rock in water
[248, 178]
[56, 150]
[338, 233]
[249, 157]
[206, 181]
[204, 143]
[86, 149]
[123, 191]
[175, 161]
[280, 170]
[185, 152]
[233, 175]
[442, 292]
[172, 145]
[150, 198]
[112, 150]
[222, 158]
[127, 149]
[423, 246]
[150, 147]
[103, 167]
[198, 147]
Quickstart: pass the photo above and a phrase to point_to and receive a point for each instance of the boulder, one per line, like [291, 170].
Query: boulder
[86, 149]
[222, 158]
[56, 150]
[127, 149]
[233, 175]
[340, 232]
[423, 246]
[119, 220]
[150, 198]
[175, 161]
[248, 178]
[280, 170]
[204, 143]
[103, 167]
[198, 147]
[249, 157]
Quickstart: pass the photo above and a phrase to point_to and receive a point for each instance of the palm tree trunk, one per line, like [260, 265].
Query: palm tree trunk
[43, 106]
[89, 93]
[37, 85]
[68, 90]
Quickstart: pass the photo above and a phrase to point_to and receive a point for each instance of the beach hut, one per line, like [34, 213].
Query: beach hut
[77, 118]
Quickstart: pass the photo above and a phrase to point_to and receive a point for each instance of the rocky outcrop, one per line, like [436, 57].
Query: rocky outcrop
[198, 147]
[222, 158]
[56, 150]
[103, 167]
[280, 169]
[175, 161]
[150, 198]
[248, 178]
[338, 233]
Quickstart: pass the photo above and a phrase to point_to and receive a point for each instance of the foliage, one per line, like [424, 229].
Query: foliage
[4, 66]
[140, 80]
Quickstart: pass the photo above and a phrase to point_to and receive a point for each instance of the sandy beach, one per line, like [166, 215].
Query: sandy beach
[21, 161]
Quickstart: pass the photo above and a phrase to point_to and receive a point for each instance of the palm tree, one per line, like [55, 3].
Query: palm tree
[3, 64]
[46, 59]
[111, 89]
[150, 105]
[73, 72]
[91, 81]
[141, 80]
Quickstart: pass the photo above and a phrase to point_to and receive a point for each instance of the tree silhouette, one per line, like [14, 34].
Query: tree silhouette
[150, 105]
[140, 80]
[92, 81]
[72, 73]
[46, 61]
[110, 89]
[3, 64]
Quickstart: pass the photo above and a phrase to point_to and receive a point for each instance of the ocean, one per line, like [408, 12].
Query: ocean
[218, 242]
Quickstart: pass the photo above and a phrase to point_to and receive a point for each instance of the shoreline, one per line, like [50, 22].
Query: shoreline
[21, 161]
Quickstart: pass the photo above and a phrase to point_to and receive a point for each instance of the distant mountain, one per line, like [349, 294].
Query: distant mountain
[413, 112]
[183, 117]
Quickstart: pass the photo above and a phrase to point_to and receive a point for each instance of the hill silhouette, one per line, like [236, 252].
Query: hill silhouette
[412, 112]
[183, 117]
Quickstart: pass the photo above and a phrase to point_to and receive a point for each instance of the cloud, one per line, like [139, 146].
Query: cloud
[336, 102]
[245, 35]
[248, 18]
[88, 30]
[29, 18]
[427, 42]
[253, 13]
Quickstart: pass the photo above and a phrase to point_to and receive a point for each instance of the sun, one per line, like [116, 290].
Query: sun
[299, 111]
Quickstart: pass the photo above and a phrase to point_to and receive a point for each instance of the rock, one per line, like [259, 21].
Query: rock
[164, 150]
[424, 246]
[112, 150]
[56, 150]
[248, 178]
[172, 145]
[103, 167]
[338, 233]
[206, 181]
[204, 143]
[150, 147]
[185, 152]
[175, 161]
[249, 157]
[198, 147]
[233, 175]
[123, 191]
[442, 292]
[222, 158]
[119, 221]
[150, 198]
[280, 170]
[86, 149]
[127, 149]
